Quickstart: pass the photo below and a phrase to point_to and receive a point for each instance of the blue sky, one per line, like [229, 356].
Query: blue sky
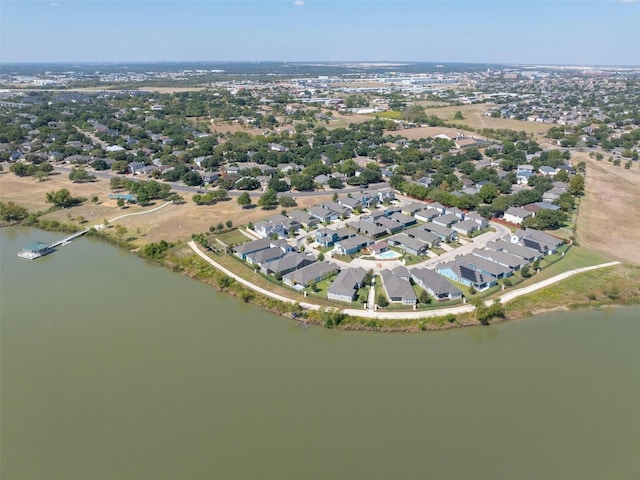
[575, 32]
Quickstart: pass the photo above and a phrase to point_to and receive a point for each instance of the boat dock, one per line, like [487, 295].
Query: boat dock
[40, 249]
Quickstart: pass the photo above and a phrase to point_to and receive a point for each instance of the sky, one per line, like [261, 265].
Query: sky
[550, 32]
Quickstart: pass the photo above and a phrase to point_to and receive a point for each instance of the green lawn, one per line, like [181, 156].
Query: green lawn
[234, 237]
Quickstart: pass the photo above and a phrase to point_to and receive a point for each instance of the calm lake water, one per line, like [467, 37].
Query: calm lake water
[116, 369]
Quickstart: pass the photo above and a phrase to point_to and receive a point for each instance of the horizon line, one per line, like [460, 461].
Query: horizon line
[309, 62]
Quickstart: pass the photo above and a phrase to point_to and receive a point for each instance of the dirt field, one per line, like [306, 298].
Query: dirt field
[609, 218]
[173, 222]
[225, 128]
[474, 116]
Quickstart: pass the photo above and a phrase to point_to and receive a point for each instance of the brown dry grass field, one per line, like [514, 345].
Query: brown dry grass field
[225, 128]
[173, 222]
[424, 132]
[609, 218]
[171, 89]
[474, 116]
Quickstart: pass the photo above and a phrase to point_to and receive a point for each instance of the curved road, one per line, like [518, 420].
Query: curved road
[416, 314]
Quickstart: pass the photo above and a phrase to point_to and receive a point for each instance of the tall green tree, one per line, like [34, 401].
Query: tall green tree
[244, 200]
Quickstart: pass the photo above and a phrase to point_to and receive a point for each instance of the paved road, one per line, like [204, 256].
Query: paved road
[416, 314]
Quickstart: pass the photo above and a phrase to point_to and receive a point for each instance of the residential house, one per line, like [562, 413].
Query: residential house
[502, 258]
[398, 288]
[352, 245]
[245, 249]
[426, 215]
[484, 266]
[517, 215]
[526, 253]
[445, 220]
[431, 239]
[441, 209]
[445, 233]
[340, 210]
[303, 218]
[389, 226]
[480, 220]
[542, 242]
[435, 285]
[458, 272]
[326, 237]
[412, 208]
[547, 171]
[373, 230]
[287, 263]
[409, 244]
[134, 167]
[404, 220]
[385, 196]
[323, 214]
[456, 212]
[264, 256]
[376, 248]
[277, 225]
[465, 227]
[310, 274]
[346, 284]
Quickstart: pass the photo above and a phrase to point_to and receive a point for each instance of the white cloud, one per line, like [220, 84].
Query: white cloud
[54, 4]
[298, 3]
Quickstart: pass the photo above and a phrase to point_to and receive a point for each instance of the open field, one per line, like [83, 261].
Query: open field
[175, 222]
[31, 193]
[424, 132]
[474, 116]
[225, 128]
[609, 218]
[171, 89]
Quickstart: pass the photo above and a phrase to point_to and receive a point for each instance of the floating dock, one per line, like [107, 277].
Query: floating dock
[40, 249]
[36, 250]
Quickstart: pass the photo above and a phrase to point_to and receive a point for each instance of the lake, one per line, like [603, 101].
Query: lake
[113, 368]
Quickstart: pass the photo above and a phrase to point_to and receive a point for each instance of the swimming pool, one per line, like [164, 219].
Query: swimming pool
[389, 254]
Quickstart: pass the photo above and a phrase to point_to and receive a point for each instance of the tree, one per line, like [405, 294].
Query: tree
[268, 200]
[10, 212]
[80, 175]
[550, 219]
[488, 192]
[99, 164]
[229, 223]
[484, 313]
[381, 300]
[302, 182]
[458, 116]
[576, 187]
[244, 200]
[192, 179]
[320, 257]
[287, 202]
[335, 183]
[425, 298]
[119, 167]
[120, 202]
[62, 198]
[247, 183]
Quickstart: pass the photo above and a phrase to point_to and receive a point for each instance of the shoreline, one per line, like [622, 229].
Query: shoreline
[384, 315]
[444, 318]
